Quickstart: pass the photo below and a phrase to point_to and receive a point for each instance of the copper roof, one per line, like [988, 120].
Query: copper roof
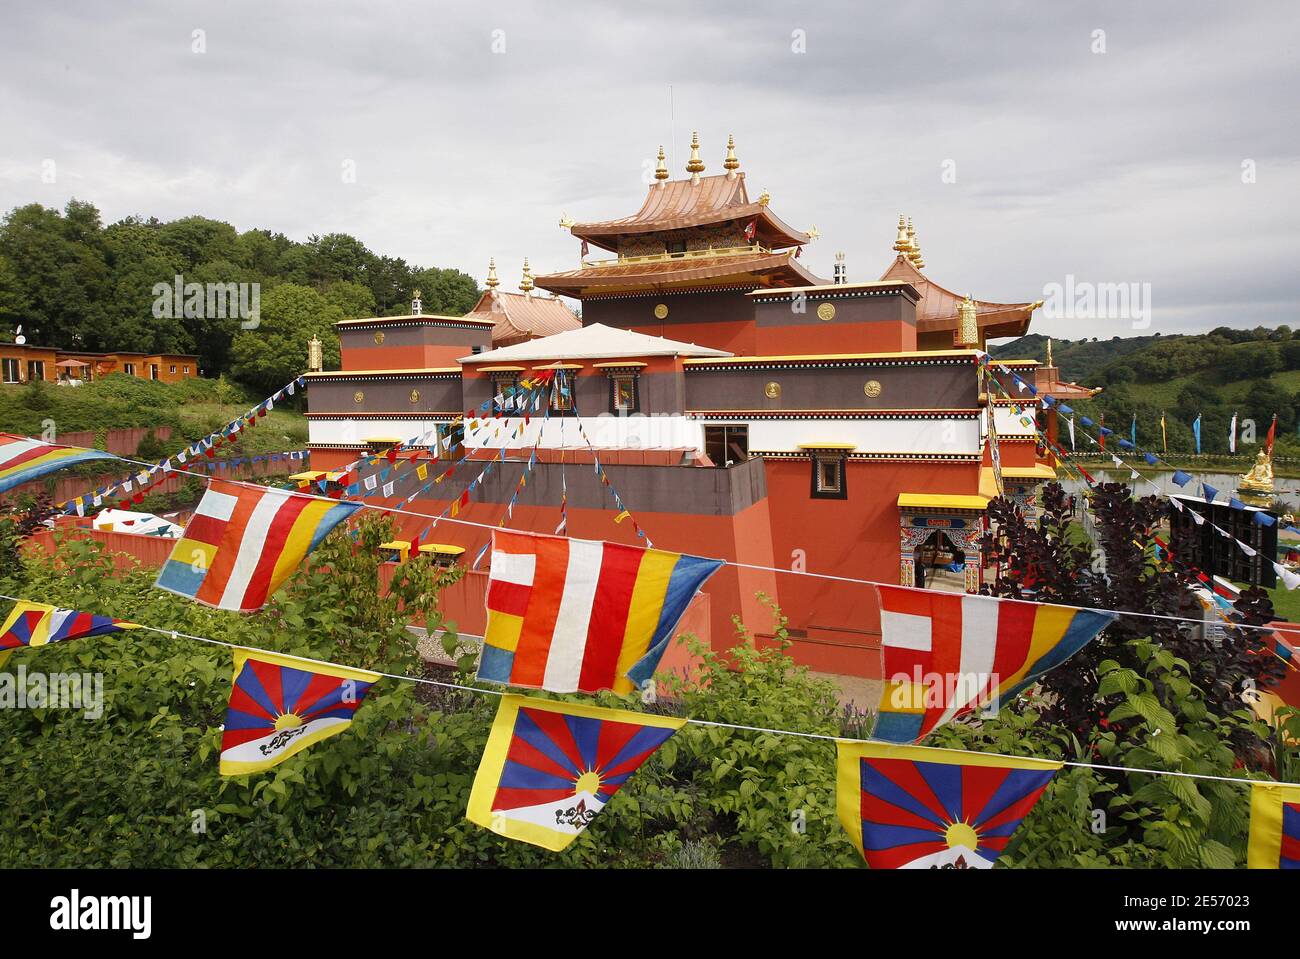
[517, 317]
[763, 269]
[1047, 379]
[681, 204]
[937, 308]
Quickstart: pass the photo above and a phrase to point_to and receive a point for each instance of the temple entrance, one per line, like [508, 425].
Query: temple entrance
[940, 564]
[940, 542]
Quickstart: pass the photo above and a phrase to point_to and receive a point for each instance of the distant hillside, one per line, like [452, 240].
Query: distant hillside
[1254, 373]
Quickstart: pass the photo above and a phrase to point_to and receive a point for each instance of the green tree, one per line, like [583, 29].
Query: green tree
[268, 357]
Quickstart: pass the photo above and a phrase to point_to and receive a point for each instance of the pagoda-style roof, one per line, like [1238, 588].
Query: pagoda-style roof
[742, 266]
[684, 204]
[937, 309]
[596, 341]
[517, 317]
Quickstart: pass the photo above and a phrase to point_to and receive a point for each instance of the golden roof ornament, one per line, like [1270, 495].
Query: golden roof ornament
[1049, 352]
[731, 164]
[492, 281]
[812, 232]
[417, 305]
[566, 221]
[695, 166]
[661, 168]
[315, 355]
[526, 284]
[968, 326]
[764, 198]
[901, 245]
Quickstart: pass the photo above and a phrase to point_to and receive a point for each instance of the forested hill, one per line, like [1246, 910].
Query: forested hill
[73, 283]
[1254, 373]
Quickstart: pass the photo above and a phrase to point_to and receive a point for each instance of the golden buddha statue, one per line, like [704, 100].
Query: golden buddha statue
[1259, 479]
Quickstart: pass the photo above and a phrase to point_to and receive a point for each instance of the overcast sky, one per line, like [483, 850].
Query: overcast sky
[1117, 166]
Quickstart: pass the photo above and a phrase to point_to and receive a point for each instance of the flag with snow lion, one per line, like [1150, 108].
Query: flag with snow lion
[280, 705]
[907, 807]
[36, 624]
[549, 768]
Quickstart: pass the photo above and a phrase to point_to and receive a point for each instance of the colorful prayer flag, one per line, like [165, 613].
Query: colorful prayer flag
[549, 768]
[946, 654]
[907, 807]
[23, 459]
[280, 705]
[243, 543]
[36, 624]
[572, 615]
[1274, 827]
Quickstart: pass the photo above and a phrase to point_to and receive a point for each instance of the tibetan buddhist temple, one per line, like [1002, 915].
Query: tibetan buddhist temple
[737, 406]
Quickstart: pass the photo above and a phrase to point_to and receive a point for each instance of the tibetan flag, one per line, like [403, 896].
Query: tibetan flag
[946, 654]
[280, 705]
[1274, 827]
[36, 624]
[906, 807]
[572, 615]
[23, 460]
[549, 768]
[244, 542]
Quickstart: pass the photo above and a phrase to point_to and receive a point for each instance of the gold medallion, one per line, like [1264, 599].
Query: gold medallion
[358, 397]
[379, 338]
[661, 311]
[415, 396]
[872, 388]
[772, 390]
[826, 311]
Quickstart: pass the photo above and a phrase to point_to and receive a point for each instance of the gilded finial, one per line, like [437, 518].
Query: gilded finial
[492, 281]
[914, 253]
[1049, 352]
[968, 327]
[731, 164]
[661, 168]
[566, 221]
[526, 284]
[695, 166]
[901, 244]
[764, 198]
[812, 232]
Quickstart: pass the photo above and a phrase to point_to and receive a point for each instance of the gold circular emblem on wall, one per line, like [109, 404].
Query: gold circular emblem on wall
[772, 390]
[415, 396]
[826, 311]
[379, 338]
[358, 397]
[872, 388]
[661, 311]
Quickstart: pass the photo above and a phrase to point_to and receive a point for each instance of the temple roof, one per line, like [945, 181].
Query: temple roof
[518, 317]
[596, 341]
[753, 265]
[937, 308]
[682, 204]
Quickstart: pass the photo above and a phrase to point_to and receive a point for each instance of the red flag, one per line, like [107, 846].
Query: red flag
[585, 248]
[1272, 435]
[750, 230]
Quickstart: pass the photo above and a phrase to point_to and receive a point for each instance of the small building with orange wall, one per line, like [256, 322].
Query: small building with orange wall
[23, 363]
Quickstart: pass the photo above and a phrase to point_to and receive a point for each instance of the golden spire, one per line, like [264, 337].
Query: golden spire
[968, 326]
[492, 281]
[526, 284]
[695, 166]
[1049, 352]
[661, 169]
[731, 164]
[901, 245]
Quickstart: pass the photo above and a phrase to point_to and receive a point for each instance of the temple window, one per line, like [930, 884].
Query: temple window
[624, 397]
[726, 445]
[828, 476]
[562, 392]
[675, 246]
[503, 385]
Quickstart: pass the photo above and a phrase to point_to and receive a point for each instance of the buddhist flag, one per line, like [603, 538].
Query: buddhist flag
[946, 654]
[23, 460]
[280, 705]
[572, 615]
[1274, 827]
[549, 768]
[906, 807]
[244, 542]
[36, 624]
